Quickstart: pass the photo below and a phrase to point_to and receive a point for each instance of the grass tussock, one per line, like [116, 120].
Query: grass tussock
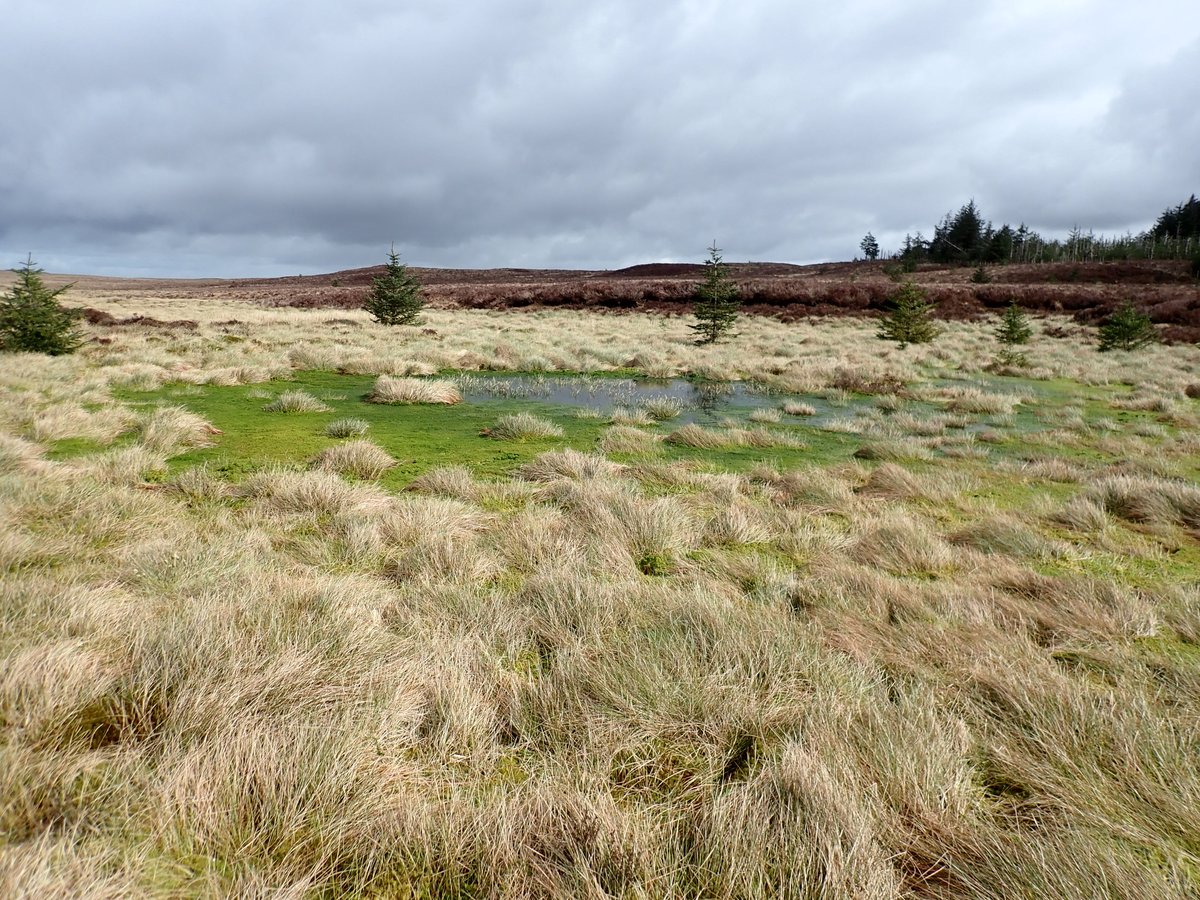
[662, 408]
[692, 435]
[701, 438]
[621, 415]
[624, 439]
[523, 426]
[347, 427]
[571, 464]
[1081, 514]
[312, 493]
[389, 389]
[894, 482]
[173, 429]
[447, 481]
[296, 402]
[18, 454]
[358, 458]
[798, 408]
[905, 546]
[973, 400]
[766, 416]
[1004, 535]
[1149, 500]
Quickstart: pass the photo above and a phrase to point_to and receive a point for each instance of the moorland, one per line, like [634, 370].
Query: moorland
[541, 598]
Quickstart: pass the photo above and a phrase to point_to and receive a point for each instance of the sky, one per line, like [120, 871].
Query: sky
[237, 138]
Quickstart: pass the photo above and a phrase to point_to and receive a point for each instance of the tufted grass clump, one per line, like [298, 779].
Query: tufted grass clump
[523, 426]
[414, 390]
[171, 429]
[767, 416]
[662, 408]
[692, 435]
[799, 408]
[358, 458]
[626, 439]
[348, 427]
[296, 402]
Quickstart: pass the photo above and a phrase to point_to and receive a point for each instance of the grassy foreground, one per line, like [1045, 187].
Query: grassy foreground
[950, 648]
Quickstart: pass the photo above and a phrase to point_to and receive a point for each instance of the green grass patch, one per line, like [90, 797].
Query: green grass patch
[420, 436]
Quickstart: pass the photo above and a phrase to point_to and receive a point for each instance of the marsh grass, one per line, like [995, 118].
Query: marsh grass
[811, 676]
[662, 408]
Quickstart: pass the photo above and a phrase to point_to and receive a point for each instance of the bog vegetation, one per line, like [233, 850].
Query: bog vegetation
[283, 617]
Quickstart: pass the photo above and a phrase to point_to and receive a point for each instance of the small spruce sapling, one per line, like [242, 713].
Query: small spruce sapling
[1127, 329]
[1014, 329]
[395, 297]
[31, 318]
[716, 301]
[909, 322]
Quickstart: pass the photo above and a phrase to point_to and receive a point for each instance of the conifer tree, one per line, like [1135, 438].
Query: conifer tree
[1014, 329]
[909, 322]
[395, 297]
[981, 275]
[869, 247]
[716, 300]
[31, 318]
[1014, 326]
[1127, 329]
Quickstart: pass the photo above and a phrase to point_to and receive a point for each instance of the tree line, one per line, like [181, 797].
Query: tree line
[965, 237]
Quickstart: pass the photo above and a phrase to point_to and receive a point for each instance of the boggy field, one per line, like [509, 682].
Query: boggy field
[795, 615]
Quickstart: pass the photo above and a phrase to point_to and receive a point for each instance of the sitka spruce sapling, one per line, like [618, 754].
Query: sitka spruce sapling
[395, 297]
[716, 301]
[31, 319]
[1127, 329]
[910, 320]
[1014, 326]
[1014, 329]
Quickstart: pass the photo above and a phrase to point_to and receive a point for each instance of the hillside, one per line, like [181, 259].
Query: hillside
[1085, 291]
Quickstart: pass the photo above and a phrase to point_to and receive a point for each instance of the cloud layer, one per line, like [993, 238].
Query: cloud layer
[235, 138]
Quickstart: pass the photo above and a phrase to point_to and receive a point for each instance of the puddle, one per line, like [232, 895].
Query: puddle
[714, 403]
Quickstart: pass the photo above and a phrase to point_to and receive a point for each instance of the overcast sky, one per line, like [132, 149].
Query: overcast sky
[255, 137]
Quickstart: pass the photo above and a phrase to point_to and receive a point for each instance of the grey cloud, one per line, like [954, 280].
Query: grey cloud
[256, 138]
